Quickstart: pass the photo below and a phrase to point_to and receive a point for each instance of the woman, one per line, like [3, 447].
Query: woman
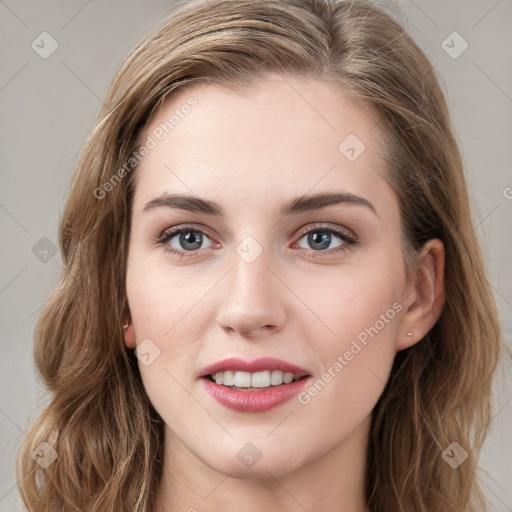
[329, 339]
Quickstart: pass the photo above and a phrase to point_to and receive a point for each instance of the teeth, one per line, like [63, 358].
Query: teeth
[276, 378]
[260, 380]
[256, 380]
[243, 380]
[287, 378]
[228, 379]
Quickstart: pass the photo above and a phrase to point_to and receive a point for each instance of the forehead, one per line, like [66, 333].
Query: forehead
[288, 134]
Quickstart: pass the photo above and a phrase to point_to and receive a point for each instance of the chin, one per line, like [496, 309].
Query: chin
[254, 461]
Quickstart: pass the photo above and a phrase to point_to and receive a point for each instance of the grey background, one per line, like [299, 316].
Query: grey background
[48, 107]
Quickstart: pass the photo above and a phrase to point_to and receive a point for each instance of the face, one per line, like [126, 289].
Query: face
[264, 269]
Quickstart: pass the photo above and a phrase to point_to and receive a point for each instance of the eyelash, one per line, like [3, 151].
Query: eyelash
[343, 235]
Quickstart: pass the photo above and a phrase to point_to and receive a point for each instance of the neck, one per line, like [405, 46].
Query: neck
[334, 482]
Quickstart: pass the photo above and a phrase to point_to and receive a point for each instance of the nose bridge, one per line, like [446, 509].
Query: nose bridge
[251, 299]
[251, 278]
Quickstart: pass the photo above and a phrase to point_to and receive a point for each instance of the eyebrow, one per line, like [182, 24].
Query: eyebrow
[298, 205]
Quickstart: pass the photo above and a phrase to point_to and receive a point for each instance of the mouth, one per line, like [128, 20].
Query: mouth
[253, 386]
[253, 399]
[255, 381]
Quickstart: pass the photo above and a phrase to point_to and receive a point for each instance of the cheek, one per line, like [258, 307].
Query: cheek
[356, 342]
[161, 300]
[168, 310]
[163, 318]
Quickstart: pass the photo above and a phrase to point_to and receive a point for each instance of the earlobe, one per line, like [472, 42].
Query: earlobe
[424, 303]
[129, 334]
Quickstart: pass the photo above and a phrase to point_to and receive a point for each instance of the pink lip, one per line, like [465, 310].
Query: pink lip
[256, 365]
[253, 401]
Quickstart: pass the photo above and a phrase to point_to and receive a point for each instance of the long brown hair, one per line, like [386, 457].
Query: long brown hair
[106, 434]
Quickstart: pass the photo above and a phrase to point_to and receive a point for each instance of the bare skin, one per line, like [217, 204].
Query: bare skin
[301, 301]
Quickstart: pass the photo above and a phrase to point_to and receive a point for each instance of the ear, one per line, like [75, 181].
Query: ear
[426, 295]
[128, 332]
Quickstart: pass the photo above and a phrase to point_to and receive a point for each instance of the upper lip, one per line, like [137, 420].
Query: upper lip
[256, 365]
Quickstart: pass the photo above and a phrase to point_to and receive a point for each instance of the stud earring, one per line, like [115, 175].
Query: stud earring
[126, 325]
[409, 333]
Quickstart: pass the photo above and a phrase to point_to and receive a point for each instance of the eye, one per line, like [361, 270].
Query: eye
[183, 241]
[321, 237]
[187, 241]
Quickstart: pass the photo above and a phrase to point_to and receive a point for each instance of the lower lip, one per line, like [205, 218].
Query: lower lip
[255, 400]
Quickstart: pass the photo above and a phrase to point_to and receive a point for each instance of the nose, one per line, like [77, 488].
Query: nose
[252, 302]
